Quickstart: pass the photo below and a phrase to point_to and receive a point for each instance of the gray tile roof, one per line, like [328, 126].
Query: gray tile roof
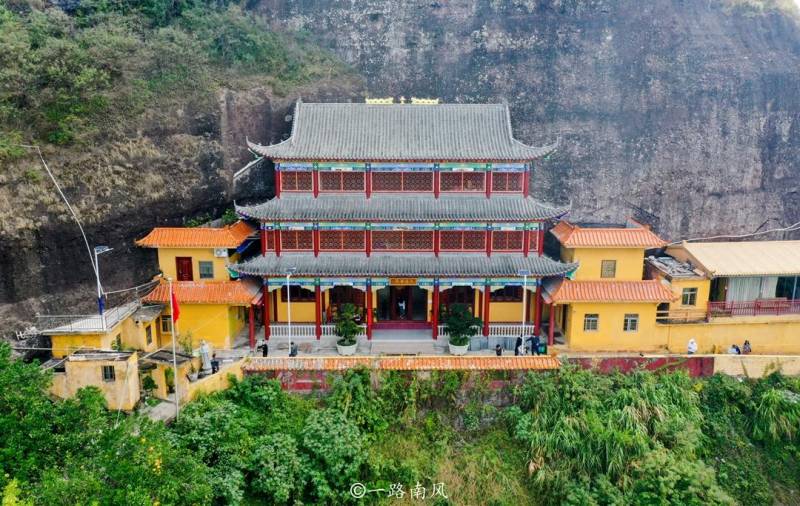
[369, 132]
[337, 264]
[407, 208]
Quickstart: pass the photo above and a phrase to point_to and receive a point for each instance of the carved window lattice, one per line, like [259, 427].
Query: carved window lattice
[296, 181]
[341, 181]
[533, 240]
[402, 181]
[341, 240]
[507, 241]
[507, 182]
[297, 240]
[384, 240]
[453, 240]
[462, 181]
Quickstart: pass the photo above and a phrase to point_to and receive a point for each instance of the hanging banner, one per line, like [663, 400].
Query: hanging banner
[403, 281]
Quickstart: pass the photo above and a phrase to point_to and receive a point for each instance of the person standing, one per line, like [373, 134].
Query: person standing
[498, 350]
[214, 364]
[691, 348]
[518, 347]
[746, 349]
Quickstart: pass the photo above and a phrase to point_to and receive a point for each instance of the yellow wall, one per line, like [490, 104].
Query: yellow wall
[123, 393]
[218, 324]
[212, 383]
[756, 366]
[138, 337]
[767, 334]
[158, 375]
[630, 262]
[132, 337]
[609, 336]
[703, 286]
[301, 311]
[166, 261]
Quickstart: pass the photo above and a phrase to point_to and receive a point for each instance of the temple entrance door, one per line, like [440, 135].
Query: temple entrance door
[183, 268]
[402, 304]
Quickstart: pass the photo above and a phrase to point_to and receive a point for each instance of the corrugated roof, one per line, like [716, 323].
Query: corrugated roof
[751, 258]
[417, 363]
[575, 236]
[197, 237]
[369, 132]
[239, 292]
[463, 265]
[607, 291]
[406, 208]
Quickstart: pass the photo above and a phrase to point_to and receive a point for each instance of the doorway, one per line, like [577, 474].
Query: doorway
[402, 304]
[183, 268]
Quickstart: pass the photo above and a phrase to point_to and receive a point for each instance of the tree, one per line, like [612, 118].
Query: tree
[461, 325]
[346, 327]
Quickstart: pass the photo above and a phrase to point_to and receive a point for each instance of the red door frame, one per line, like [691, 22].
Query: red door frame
[183, 269]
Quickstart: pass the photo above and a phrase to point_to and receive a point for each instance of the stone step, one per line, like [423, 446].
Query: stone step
[405, 347]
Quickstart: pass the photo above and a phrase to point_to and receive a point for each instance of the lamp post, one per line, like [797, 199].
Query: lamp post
[99, 250]
[289, 272]
[524, 273]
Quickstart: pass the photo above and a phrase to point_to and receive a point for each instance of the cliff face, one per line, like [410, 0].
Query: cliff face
[686, 113]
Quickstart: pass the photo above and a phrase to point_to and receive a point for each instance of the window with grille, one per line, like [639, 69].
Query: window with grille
[608, 268]
[296, 181]
[591, 322]
[507, 294]
[384, 240]
[630, 323]
[506, 182]
[148, 334]
[533, 240]
[297, 240]
[466, 240]
[462, 181]
[507, 241]
[109, 374]
[298, 293]
[341, 181]
[166, 324]
[689, 297]
[341, 240]
[270, 240]
[206, 270]
[402, 181]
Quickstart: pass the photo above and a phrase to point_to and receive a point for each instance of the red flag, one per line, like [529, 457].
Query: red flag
[176, 309]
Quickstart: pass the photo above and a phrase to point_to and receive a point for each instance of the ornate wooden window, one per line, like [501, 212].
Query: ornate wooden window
[507, 182]
[457, 240]
[297, 240]
[507, 294]
[507, 240]
[402, 240]
[341, 240]
[341, 181]
[533, 240]
[462, 181]
[270, 239]
[296, 181]
[402, 181]
[298, 293]
[464, 295]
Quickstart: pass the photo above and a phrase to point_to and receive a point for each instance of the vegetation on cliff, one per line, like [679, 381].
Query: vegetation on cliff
[94, 72]
[569, 437]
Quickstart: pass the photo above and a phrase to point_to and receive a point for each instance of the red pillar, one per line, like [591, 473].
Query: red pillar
[368, 241]
[318, 311]
[488, 183]
[277, 238]
[252, 328]
[526, 181]
[487, 295]
[277, 182]
[489, 241]
[369, 310]
[537, 317]
[263, 240]
[551, 329]
[526, 242]
[265, 298]
[436, 184]
[540, 241]
[368, 183]
[315, 240]
[315, 182]
[435, 313]
[436, 242]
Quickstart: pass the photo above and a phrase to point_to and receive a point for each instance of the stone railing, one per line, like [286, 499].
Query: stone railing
[305, 330]
[499, 330]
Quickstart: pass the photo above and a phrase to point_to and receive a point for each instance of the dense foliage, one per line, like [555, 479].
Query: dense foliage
[91, 73]
[568, 437]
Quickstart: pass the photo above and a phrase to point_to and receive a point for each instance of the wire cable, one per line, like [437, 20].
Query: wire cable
[790, 228]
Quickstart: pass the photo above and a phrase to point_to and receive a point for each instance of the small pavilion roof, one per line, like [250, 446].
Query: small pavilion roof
[372, 132]
[397, 264]
[197, 237]
[633, 235]
[239, 292]
[404, 208]
[566, 291]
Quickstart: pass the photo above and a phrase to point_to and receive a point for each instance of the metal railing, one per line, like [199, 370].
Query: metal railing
[753, 308]
[681, 316]
[58, 324]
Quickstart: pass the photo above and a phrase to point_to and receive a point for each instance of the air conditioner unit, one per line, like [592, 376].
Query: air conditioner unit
[220, 252]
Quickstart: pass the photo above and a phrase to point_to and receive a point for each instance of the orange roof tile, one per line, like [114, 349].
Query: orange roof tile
[207, 292]
[574, 236]
[418, 363]
[197, 237]
[649, 290]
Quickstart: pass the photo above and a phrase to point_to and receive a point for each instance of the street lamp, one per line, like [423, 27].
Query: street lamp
[524, 273]
[99, 250]
[289, 272]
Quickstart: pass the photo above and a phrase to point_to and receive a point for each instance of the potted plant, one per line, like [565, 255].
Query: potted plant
[192, 371]
[347, 329]
[461, 325]
[169, 379]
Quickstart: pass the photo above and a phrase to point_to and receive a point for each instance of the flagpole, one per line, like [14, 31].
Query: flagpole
[174, 355]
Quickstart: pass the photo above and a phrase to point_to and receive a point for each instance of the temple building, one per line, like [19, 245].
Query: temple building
[402, 210]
